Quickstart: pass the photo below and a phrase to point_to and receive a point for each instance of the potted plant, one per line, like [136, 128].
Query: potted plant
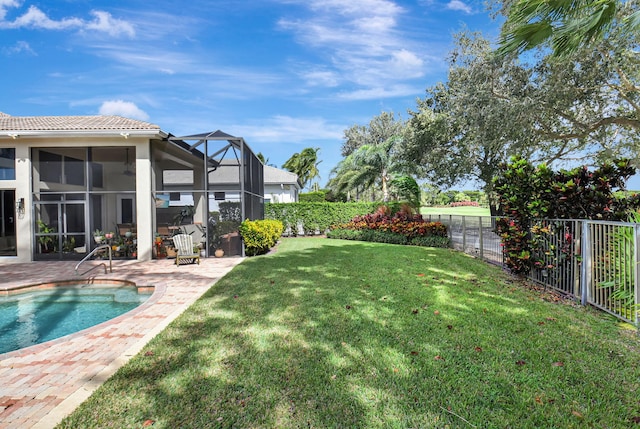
[98, 236]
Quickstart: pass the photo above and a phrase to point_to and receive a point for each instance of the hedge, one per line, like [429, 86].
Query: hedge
[317, 218]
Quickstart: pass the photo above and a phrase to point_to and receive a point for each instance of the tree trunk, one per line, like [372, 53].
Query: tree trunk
[385, 188]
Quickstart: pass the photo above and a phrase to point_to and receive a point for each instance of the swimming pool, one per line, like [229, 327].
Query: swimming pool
[36, 316]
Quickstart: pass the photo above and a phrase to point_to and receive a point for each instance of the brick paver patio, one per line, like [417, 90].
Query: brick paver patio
[40, 385]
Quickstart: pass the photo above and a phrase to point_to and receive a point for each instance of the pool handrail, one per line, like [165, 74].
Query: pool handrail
[93, 252]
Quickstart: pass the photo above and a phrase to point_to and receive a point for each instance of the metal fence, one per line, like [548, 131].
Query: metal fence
[596, 262]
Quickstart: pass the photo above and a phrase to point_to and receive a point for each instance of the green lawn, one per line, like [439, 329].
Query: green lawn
[461, 211]
[330, 333]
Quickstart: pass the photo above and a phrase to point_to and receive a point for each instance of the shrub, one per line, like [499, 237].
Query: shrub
[260, 235]
[464, 204]
[313, 197]
[430, 241]
[528, 194]
[315, 218]
[345, 234]
[370, 235]
[400, 228]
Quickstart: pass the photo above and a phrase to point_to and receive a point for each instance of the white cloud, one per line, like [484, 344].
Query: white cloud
[406, 63]
[459, 5]
[373, 93]
[280, 129]
[103, 22]
[355, 7]
[4, 5]
[123, 108]
[20, 47]
[362, 39]
[325, 78]
[35, 18]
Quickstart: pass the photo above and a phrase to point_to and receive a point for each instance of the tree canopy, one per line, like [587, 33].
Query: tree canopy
[304, 164]
[370, 159]
[582, 107]
[566, 26]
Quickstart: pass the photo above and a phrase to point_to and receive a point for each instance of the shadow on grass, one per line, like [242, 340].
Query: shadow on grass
[335, 334]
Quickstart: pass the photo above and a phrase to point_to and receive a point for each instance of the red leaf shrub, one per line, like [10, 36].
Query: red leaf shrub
[403, 223]
[465, 204]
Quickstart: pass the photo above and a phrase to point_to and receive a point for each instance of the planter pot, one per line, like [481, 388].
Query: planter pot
[219, 253]
[98, 239]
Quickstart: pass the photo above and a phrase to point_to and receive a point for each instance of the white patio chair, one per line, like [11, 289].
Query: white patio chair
[184, 247]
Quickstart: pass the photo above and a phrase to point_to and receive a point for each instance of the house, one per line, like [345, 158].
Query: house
[280, 186]
[66, 179]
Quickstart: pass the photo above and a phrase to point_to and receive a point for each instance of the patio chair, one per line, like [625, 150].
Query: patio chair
[184, 247]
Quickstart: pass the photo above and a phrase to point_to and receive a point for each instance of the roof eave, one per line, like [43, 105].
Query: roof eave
[151, 133]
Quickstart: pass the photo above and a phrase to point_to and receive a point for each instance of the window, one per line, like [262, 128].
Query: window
[7, 164]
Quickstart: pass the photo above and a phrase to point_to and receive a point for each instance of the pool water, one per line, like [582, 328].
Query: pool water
[35, 317]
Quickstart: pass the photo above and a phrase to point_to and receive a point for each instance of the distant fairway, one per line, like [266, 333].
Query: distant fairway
[461, 211]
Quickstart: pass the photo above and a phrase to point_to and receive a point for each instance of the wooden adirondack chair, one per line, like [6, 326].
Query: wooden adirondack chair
[184, 247]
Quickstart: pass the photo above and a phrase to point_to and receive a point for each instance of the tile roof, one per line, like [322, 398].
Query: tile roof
[276, 175]
[72, 123]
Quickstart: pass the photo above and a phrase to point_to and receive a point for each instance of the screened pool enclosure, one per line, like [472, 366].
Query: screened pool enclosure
[221, 184]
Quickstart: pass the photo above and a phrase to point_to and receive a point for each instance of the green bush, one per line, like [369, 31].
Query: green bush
[345, 234]
[260, 235]
[313, 197]
[431, 241]
[317, 218]
[379, 236]
[368, 235]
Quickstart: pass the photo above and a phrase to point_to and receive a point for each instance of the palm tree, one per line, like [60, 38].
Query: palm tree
[567, 25]
[350, 177]
[367, 165]
[304, 164]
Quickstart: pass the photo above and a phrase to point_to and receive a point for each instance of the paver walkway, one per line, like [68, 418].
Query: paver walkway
[40, 385]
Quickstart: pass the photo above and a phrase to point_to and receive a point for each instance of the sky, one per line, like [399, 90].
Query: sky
[283, 74]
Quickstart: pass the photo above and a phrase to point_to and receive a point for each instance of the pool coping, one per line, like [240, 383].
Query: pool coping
[43, 383]
[158, 290]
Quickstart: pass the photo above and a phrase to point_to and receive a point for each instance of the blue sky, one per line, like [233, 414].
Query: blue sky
[283, 74]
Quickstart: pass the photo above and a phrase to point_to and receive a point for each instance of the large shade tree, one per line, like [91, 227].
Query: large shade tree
[464, 129]
[381, 128]
[584, 106]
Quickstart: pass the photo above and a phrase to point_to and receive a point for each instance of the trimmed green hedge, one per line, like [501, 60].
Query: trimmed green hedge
[317, 218]
[379, 236]
[260, 235]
